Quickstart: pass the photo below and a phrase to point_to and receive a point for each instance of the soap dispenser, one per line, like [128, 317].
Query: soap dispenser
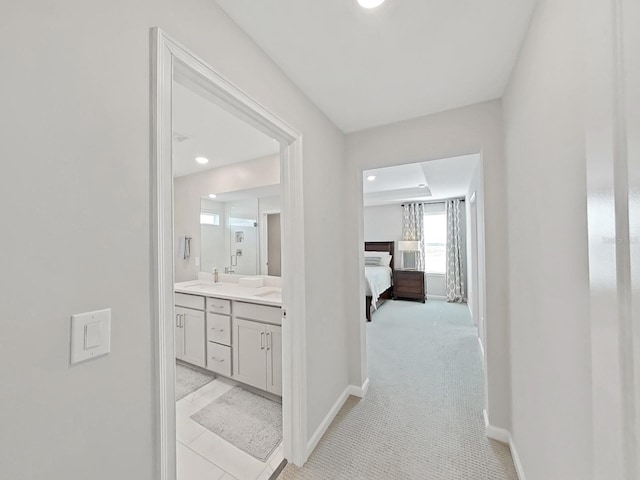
[215, 275]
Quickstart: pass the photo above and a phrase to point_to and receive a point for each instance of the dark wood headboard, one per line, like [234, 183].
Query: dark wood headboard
[388, 247]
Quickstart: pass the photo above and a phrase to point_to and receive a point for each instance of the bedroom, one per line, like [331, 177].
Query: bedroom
[391, 198]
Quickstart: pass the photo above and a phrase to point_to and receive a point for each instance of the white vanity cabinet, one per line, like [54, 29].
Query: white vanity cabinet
[238, 339]
[257, 346]
[190, 329]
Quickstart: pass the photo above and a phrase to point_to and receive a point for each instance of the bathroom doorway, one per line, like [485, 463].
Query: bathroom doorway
[265, 317]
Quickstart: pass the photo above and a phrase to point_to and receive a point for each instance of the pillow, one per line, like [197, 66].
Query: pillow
[377, 258]
[385, 261]
[371, 261]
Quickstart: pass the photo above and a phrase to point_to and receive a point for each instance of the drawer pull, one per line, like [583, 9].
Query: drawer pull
[217, 359]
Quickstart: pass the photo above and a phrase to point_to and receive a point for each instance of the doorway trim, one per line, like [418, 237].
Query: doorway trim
[168, 60]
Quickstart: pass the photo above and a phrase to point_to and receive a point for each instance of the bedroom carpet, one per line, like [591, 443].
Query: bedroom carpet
[422, 416]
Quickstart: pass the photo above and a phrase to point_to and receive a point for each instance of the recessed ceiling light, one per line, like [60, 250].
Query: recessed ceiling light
[212, 195]
[422, 185]
[371, 178]
[202, 160]
[370, 3]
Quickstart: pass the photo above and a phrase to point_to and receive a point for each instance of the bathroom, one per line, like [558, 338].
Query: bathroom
[228, 292]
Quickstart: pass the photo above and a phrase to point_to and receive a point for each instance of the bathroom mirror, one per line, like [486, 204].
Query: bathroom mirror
[240, 232]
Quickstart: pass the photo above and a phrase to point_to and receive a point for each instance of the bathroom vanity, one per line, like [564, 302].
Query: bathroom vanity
[232, 330]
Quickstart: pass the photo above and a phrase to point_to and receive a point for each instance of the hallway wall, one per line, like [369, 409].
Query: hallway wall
[548, 270]
[75, 121]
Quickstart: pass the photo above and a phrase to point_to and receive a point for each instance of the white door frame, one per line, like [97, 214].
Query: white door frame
[168, 60]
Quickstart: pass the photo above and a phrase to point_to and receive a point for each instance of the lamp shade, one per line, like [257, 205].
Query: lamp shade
[409, 245]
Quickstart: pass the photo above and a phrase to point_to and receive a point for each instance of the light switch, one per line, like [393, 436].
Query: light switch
[90, 335]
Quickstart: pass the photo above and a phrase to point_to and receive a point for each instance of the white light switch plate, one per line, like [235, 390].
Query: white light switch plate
[90, 335]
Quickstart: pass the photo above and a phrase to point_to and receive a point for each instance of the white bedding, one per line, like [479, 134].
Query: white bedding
[378, 280]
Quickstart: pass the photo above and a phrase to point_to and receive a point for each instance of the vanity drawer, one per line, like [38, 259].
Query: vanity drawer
[189, 301]
[219, 358]
[261, 313]
[219, 305]
[218, 328]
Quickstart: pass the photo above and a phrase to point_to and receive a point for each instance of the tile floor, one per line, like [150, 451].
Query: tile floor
[203, 455]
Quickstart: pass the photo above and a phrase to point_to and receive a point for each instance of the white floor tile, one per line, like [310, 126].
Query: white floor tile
[228, 457]
[226, 476]
[187, 430]
[192, 466]
[266, 474]
[276, 458]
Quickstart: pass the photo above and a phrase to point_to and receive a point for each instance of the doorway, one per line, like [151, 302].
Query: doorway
[171, 61]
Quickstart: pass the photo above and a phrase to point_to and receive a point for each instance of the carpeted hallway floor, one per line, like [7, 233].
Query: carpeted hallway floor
[422, 416]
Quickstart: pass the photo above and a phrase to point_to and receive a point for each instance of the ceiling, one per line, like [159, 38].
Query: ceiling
[404, 59]
[202, 128]
[446, 178]
[249, 194]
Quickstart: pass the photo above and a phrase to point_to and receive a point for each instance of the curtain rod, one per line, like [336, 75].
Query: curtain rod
[444, 200]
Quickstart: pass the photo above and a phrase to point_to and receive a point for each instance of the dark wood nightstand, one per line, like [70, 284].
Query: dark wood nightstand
[409, 284]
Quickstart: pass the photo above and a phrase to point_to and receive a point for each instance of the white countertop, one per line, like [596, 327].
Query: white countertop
[232, 291]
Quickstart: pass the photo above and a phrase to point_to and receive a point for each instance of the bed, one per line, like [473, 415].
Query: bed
[378, 278]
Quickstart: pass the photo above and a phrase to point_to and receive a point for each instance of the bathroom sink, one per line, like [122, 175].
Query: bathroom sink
[269, 293]
[203, 286]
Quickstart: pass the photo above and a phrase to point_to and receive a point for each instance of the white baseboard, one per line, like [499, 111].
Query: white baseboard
[436, 297]
[504, 436]
[331, 415]
[516, 459]
[481, 353]
[359, 391]
[324, 425]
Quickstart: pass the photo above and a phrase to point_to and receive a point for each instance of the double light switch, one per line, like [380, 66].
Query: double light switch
[90, 335]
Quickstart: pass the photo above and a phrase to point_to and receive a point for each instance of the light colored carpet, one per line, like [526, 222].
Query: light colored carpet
[422, 416]
[189, 380]
[250, 422]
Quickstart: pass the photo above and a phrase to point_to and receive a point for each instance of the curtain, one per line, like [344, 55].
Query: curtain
[413, 229]
[454, 278]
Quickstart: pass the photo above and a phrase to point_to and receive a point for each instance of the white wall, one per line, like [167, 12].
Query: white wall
[548, 272]
[187, 195]
[473, 129]
[75, 124]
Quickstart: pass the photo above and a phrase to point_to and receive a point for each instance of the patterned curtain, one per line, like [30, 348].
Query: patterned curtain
[454, 279]
[413, 228]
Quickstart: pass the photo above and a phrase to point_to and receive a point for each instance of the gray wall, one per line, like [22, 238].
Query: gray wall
[75, 120]
[548, 271]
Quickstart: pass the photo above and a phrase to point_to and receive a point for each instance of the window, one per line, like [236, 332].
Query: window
[435, 239]
[209, 219]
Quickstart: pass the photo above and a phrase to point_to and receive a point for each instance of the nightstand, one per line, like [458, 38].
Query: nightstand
[409, 284]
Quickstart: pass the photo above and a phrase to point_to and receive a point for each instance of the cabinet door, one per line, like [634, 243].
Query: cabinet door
[249, 353]
[179, 337]
[194, 334]
[274, 359]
